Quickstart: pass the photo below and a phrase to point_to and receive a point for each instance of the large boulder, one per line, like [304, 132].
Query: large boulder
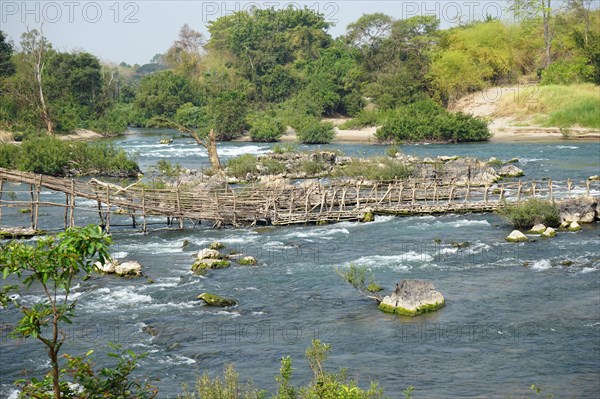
[583, 209]
[215, 300]
[126, 269]
[412, 298]
[516, 236]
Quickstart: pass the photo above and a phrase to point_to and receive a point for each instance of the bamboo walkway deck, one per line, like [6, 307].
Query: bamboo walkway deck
[255, 204]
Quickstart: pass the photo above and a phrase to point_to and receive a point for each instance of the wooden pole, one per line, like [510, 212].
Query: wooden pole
[107, 229]
[1, 190]
[72, 212]
[569, 186]
[66, 211]
[533, 188]
[550, 191]
[485, 194]
[144, 209]
[519, 191]
[37, 203]
[31, 206]
[587, 187]
[180, 216]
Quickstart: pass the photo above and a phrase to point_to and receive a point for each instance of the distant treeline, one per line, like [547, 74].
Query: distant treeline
[263, 70]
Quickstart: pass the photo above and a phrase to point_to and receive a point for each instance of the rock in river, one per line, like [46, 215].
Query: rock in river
[413, 297]
[538, 229]
[516, 236]
[215, 300]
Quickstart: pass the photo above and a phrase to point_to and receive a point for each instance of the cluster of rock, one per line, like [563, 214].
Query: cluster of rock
[462, 170]
[210, 258]
[584, 209]
[412, 298]
[125, 269]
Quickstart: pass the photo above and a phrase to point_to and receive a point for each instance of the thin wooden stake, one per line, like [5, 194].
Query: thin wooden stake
[144, 209]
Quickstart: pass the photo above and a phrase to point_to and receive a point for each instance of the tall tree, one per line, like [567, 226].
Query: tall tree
[36, 48]
[184, 55]
[528, 10]
[7, 66]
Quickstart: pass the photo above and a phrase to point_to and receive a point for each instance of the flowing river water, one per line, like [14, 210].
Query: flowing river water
[505, 327]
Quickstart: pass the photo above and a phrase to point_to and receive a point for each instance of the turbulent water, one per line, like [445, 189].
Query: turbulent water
[506, 326]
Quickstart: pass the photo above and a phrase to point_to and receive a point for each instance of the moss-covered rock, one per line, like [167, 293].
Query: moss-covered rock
[412, 298]
[516, 236]
[368, 216]
[574, 226]
[247, 261]
[549, 232]
[215, 300]
[201, 265]
[208, 253]
[216, 245]
[537, 229]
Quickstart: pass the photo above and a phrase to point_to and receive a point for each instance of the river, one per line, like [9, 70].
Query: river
[505, 326]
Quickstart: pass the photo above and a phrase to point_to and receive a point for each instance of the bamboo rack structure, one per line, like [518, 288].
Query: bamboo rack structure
[253, 204]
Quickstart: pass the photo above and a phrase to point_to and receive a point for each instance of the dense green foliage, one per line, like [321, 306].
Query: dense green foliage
[285, 64]
[55, 157]
[531, 212]
[428, 121]
[310, 130]
[242, 165]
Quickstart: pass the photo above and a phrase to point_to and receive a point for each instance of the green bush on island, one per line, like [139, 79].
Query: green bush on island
[51, 156]
[533, 211]
[242, 165]
[427, 121]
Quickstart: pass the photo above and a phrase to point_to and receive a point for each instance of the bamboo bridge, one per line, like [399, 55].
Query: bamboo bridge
[252, 204]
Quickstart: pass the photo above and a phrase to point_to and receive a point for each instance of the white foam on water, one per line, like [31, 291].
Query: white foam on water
[542, 264]
[467, 222]
[592, 324]
[106, 299]
[587, 270]
[394, 260]
[14, 394]
[528, 160]
[378, 219]
[318, 233]
[246, 149]
[567, 147]
[176, 360]
[120, 255]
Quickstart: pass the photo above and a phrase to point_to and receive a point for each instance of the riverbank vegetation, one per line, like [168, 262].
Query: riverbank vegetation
[51, 156]
[263, 70]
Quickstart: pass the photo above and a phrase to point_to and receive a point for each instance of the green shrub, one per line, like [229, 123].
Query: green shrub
[311, 130]
[265, 128]
[380, 169]
[533, 211]
[312, 168]
[565, 72]
[325, 385]
[51, 156]
[427, 121]
[366, 118]
[242, 165]
[273, 166]
[391, 151]
[283, 148]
